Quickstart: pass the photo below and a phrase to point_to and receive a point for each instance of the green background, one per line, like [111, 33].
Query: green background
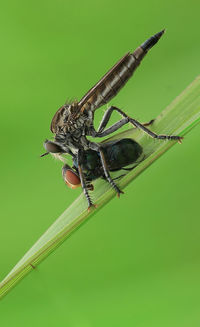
[136, 262]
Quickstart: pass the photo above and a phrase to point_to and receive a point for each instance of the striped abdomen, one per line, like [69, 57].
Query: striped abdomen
[117, 76]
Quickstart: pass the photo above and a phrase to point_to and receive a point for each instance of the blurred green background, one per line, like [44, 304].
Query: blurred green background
[136, 262]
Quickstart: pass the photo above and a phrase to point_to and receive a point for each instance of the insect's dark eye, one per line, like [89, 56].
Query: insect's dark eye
[52, 147]
[70, 177]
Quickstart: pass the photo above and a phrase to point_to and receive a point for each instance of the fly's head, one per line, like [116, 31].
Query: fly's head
[57, 147]
[58, 125]
[54, 148]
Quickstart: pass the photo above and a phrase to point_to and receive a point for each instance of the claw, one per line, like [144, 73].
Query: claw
[118, 193]
[92, 206]
[34, 267]
[180, 140]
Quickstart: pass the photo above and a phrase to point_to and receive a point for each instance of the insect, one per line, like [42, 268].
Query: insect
[118, 155]
[73, 122]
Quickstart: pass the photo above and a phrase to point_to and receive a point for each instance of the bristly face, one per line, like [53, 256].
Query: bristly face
[62, 118]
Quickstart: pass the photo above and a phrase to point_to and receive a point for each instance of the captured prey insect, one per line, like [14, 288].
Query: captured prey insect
[118, 154]
[74, 121]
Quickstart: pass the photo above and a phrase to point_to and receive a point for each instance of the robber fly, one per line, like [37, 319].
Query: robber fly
[118, 154]
[74, 121]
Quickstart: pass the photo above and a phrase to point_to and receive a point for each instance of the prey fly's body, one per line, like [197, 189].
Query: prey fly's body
[72, 123]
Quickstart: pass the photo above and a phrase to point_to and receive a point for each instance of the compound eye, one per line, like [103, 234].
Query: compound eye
[52, 147]
[70, 177]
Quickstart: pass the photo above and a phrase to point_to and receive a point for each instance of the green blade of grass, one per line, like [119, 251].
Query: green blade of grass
[177, 119]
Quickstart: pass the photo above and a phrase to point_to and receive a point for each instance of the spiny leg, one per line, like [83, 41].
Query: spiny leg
[102, 132]
[154, 135]
[82, 179]
[96, 147]
[107, 174]
[106, 118]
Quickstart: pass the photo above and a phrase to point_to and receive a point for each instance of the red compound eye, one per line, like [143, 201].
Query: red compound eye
[70, 177]
[72, 180]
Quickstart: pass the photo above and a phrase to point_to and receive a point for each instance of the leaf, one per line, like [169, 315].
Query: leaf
[177, 119]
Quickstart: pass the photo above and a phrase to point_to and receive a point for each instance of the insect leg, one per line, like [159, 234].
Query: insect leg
[96, 147]
[82, 179]
[107, 174]
[134, 122]
[118, 177]
[149, 123]
[107, 116]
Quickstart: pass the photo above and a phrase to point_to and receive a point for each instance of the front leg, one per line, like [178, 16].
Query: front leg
[106, 118]
[96, 147]
[82, 179]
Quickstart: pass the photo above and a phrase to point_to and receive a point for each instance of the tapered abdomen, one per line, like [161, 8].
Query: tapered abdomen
[117, 76]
